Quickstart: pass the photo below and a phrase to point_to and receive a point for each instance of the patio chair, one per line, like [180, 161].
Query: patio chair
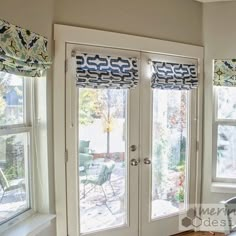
[85, 158]
[103, 177]
[230, 207]
[8, 186]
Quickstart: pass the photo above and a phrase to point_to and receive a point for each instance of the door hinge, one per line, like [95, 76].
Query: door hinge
[66, 156]
[66, 65]
[197, 145]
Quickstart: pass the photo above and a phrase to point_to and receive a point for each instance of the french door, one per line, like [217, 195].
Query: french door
[168, 154]
[131, 168]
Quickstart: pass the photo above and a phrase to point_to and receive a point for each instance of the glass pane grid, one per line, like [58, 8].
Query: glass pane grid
[102, 159]
[15, 168]
[226, 152]
[169, 153]
[226, 128]
[226, 103]
[14, 185]
[12, 107]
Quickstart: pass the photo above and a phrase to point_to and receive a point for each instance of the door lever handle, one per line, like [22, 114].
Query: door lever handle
[147, 161]
[134, 162]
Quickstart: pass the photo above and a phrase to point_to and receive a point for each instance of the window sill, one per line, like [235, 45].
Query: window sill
[30, 226]
[217, 187]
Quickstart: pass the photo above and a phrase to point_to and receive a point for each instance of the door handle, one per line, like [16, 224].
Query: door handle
[134, 162]
[147, 161]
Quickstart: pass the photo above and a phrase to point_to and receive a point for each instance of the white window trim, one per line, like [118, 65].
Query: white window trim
[68, 34]
[41, 208]
[25, 127]
[31, 226]
[217, 187]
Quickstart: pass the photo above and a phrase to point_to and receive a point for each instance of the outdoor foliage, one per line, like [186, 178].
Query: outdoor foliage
[169, 148]
[11, 151]
[104, 104]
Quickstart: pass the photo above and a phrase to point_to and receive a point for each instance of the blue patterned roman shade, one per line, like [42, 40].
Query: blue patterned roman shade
[22, 52]
[167, 75]
[225, 73]
[98, 71]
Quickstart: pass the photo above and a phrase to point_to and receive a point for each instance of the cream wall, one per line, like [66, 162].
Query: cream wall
[174, 20]
[34, 15]
[220, 42]
[38, 17]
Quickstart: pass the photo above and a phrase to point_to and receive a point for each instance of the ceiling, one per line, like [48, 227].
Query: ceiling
[214, 0]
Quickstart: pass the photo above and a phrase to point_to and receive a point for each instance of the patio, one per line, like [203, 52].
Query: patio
[102, 210]
[12, 203]
[99, 210]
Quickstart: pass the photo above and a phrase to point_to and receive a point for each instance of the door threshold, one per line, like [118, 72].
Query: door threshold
[184, 233]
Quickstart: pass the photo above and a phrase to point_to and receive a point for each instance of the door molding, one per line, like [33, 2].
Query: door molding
[69, 34]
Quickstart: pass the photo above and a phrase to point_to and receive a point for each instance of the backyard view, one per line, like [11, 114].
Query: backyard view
[169, 152]
[102, 158]
[13, 148]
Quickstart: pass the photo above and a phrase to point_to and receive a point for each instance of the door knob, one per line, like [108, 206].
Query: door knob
[133, 148]
[147, 161]
[134, 162]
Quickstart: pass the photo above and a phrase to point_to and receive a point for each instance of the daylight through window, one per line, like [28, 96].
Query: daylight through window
[15, 135]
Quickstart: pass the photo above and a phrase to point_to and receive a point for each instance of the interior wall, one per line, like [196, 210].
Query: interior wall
[219, 41]
[38, 17]
[34, 15]
[174, 20]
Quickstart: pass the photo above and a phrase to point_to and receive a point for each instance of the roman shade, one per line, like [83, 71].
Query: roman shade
[22, 52]
[225, 73]
[99, 71]
[177, 76]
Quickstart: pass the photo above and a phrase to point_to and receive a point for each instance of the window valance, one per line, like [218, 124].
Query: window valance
[22, 52]
[225, 73]
[99, 71]
[167, 75]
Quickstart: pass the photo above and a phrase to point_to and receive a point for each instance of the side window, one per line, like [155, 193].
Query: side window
[224, 123]
[15, 146]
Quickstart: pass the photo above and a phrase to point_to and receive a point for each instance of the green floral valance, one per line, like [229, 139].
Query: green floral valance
[225, 73]
[22, 52]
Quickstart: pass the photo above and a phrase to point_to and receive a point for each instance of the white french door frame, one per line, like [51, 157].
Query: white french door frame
[69, 34]
[72, 137]
[161, 224]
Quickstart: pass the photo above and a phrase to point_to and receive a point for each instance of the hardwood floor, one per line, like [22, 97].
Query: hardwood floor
[200, 234]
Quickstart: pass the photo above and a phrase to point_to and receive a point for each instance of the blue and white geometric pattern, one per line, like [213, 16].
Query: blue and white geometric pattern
[176, 76]
[225, 73]
[98, 71]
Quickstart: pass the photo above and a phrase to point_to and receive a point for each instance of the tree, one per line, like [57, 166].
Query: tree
[111, 105]
[178, 120]
[104, 104]
[88, 106]
[4, 81]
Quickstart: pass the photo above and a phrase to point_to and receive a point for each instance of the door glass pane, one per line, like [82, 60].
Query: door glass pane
[226, 152]
[169, 152]
[11, 99]
[102, 158]
[14, 189]
[226, 102]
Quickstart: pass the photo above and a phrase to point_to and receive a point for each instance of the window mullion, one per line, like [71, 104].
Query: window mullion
[226, 122]
[15, 130]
